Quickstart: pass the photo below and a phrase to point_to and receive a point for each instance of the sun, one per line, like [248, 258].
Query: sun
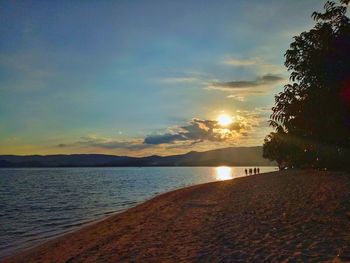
[224, 119]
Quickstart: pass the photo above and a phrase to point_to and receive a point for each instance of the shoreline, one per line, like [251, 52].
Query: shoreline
[93, 221]
[178, 225]
[11, 250]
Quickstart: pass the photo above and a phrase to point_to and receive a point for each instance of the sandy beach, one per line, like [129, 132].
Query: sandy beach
[292, 216]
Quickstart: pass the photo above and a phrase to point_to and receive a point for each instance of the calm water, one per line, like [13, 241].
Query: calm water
[38, 204]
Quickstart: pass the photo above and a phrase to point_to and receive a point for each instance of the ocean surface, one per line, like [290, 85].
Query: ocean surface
[37, 204]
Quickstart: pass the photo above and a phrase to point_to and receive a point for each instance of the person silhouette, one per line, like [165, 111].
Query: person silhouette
[246, 172]
[258, 170]
[254, 170]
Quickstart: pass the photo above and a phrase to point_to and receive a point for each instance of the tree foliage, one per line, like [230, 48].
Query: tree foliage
[311, 117]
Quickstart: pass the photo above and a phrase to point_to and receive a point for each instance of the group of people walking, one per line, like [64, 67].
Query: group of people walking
[251, 171]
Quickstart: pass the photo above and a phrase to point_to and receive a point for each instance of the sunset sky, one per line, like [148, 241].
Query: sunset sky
[142, 77]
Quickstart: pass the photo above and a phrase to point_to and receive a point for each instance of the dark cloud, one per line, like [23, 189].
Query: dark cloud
[163, 138]
[271, 78]
[260, 81]
[200, 130]
[194, 132]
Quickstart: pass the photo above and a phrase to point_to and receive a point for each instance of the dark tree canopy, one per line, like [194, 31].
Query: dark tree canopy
[311, 117]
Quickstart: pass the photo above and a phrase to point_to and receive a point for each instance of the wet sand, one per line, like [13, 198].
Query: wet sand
[291, 216]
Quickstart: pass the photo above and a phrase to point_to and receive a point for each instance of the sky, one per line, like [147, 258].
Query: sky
[133, 77]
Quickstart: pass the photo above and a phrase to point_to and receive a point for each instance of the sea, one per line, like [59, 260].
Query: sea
[38, 204]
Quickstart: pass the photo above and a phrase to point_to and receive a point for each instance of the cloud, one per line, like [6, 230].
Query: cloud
[163, 138]
[29, 73]
[268, 79]
[240, 62]
[257, 63]
[238, 90]
[264, 109]
[106, 143]
[236, 97]
[197, 134]
[178, 80]
[199, 130]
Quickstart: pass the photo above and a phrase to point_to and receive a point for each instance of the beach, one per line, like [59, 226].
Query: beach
[287, 216]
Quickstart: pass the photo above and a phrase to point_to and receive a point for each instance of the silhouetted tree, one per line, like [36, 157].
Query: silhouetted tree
[312, 115]
[275, 149]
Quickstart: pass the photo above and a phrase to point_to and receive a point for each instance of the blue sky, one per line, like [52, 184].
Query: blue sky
[141, 77]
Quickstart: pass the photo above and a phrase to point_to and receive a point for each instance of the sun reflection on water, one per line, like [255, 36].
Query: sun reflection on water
[223, 173]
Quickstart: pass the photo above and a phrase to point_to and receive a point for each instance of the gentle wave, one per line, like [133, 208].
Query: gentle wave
[42, 203]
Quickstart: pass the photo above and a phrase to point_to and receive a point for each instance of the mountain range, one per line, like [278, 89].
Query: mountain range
[232, 156]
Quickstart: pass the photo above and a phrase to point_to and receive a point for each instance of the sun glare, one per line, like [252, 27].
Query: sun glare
[224, 119]
[223, 173]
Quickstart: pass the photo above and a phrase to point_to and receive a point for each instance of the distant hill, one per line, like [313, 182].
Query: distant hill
[233, 156]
